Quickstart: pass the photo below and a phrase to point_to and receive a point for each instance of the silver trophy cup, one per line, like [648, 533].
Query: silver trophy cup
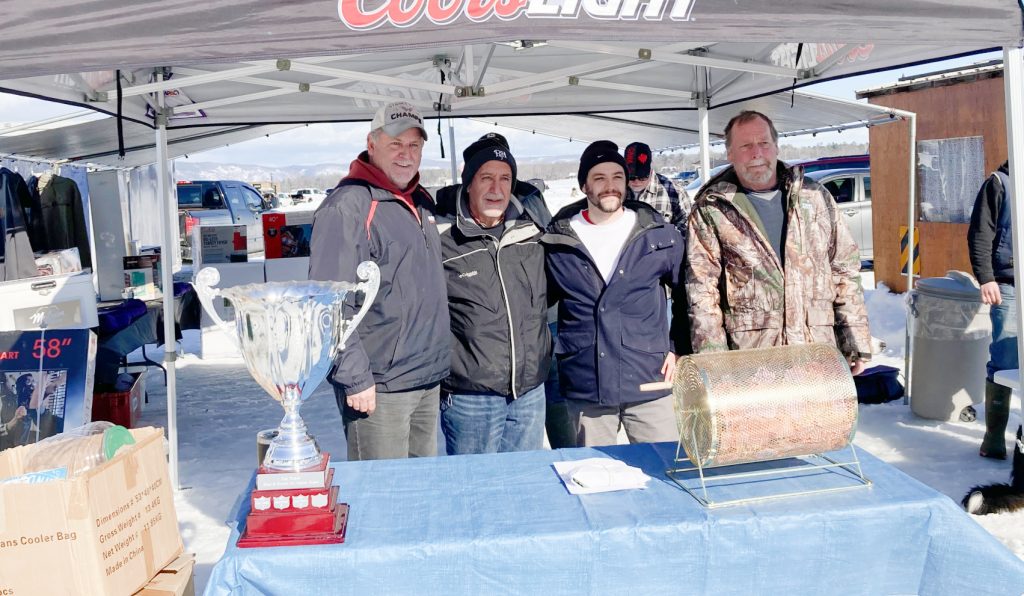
[289, 334]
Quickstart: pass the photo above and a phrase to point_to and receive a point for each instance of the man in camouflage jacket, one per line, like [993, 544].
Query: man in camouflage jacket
[757, 277]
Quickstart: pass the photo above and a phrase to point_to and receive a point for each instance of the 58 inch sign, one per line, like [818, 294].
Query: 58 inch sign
[52, 347]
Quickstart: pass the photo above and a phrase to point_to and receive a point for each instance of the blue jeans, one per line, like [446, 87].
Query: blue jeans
[491, 423]
[1002, 351]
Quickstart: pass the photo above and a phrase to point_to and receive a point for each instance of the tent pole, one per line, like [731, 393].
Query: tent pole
[702, 124]
[452, 151]
[1013, 80]
[912, 252]
[167, 252]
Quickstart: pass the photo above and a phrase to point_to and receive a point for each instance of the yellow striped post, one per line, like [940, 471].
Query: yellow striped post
[905, 250]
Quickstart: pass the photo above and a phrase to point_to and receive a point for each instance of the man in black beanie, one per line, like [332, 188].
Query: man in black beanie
[529, 195]
[493, 400]
[607, 258]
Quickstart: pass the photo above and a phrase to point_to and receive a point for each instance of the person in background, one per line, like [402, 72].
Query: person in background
[990, 246]
[387, 379]
[651, 187]
[493, 401]
[769, 261]
[607, 258]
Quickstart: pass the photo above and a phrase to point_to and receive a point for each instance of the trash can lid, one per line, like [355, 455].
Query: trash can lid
[956, 285]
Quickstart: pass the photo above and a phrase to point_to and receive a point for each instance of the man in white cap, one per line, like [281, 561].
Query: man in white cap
[387, 378]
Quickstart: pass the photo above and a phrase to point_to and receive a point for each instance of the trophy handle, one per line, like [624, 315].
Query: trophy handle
[204, 283]
[370, 274]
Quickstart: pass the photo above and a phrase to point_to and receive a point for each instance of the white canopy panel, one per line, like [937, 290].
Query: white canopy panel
[484, 80]
[64, 36]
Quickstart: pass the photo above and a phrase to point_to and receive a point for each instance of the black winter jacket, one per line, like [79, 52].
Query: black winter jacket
[497, 298]
[401, 344]
[990, 236]
[613, 337]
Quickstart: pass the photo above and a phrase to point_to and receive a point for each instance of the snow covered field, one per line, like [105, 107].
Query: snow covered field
[220, 410]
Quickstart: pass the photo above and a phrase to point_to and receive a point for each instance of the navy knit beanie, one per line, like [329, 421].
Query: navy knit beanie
[595, 153]
[482, 151]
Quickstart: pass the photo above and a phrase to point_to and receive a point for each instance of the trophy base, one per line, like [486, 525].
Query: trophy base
[336, 535]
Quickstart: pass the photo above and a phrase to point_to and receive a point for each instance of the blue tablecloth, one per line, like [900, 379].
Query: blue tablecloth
[493, 524]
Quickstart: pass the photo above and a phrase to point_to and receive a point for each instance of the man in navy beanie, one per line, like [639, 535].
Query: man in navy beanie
[607, 258]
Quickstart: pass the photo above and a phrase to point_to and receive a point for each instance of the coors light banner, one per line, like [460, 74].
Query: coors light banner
[370, 14]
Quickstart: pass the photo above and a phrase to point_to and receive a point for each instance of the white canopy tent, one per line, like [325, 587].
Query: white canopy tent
[294, 61]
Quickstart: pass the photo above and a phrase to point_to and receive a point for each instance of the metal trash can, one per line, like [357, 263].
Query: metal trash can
[951, 334]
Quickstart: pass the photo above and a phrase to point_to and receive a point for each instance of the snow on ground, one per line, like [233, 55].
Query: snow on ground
[221, 408]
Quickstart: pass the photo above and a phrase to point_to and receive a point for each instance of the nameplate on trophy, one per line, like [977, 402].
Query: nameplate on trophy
[312, 477]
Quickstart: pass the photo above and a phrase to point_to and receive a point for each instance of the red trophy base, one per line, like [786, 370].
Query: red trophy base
[295, 508]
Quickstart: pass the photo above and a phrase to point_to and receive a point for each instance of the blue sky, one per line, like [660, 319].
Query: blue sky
[340, 143]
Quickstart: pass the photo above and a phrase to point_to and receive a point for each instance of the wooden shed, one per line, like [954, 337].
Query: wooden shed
[961, 139]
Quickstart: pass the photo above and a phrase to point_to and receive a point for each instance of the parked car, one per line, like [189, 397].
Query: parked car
[308, 195]
[834, 162]
[219, 202]
[851, 188]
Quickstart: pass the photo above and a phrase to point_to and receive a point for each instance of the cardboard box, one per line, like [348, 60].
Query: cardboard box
[219, 244]
[120, 405]
[287, 234]
[107, 531]
[176, 579]
[59, 262]
[68, 301]
[142, 276]
[61, 398]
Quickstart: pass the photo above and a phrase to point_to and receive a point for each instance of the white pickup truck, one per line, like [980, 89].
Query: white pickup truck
[219, 202]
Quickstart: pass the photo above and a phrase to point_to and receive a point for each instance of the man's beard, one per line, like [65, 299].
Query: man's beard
[597, 203]
[757, 177]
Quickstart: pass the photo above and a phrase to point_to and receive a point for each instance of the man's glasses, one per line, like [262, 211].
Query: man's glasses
[635, 178]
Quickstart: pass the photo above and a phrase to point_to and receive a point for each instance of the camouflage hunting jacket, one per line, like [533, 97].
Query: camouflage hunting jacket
[741, 296]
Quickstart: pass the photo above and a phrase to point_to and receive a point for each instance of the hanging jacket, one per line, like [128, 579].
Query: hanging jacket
[402, 342]
[61, 216]
[497, 298]
[16, 258]
[614, 336]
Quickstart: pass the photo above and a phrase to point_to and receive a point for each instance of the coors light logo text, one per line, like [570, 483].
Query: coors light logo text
[405, 13]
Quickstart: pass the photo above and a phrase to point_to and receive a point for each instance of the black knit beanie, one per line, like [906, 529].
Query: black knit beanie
[595, 153]
[482, 151]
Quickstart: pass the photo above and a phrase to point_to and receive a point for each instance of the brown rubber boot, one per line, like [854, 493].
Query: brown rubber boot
[997, 412]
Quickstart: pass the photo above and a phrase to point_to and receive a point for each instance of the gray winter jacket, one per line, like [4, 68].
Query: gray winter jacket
[402, 343]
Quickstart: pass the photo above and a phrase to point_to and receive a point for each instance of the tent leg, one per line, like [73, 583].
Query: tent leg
[912, 254]
[454, 153]
[1013, 83]
[702, 125]
[167, 252]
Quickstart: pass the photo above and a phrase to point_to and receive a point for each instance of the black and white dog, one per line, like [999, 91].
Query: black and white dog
[999, 498]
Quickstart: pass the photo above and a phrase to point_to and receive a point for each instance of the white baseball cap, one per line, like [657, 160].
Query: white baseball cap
[396, 118]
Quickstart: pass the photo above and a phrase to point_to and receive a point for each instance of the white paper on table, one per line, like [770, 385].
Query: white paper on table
[599, 475]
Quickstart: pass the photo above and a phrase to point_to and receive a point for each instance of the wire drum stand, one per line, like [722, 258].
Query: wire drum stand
[764, 416]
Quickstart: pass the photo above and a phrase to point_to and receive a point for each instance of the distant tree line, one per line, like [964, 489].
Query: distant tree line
[667, 163]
